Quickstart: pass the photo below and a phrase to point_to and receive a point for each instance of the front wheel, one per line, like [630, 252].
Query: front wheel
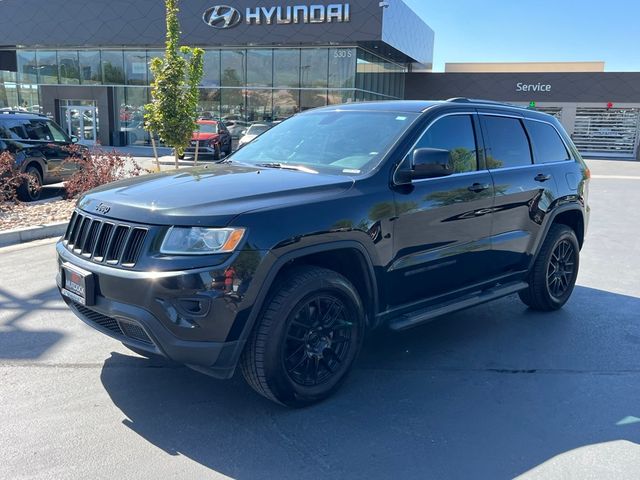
[31, 187]
[554, 273]
[306, 340]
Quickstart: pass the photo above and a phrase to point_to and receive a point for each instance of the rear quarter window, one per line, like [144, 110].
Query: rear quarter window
[547, 145]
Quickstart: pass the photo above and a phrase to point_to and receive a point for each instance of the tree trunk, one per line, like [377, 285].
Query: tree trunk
[195, 159]
[155, 151]
[175, 152]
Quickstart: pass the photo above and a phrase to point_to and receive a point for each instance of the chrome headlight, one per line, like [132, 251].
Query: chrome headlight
[200, 240]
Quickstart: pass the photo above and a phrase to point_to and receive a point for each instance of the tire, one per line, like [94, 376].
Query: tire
[181, 156]
[554, 273]
[30, 191]
[290, 358]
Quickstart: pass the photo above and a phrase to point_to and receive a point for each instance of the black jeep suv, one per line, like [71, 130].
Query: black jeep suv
[40, 148]
[336, 221]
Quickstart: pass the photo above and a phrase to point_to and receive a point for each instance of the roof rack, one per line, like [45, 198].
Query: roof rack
[480, 101]
[22, 112]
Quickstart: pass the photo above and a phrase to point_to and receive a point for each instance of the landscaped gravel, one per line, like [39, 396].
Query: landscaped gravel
[30, 215]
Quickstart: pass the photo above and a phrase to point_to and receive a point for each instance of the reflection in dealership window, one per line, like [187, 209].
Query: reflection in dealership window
[68, 66]
[286, 68]
[90, 70]
[259, 68]
[113, 66]
[313, 67]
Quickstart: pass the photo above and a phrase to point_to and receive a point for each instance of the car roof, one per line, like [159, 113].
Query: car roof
[21, 114]
[416, 106]
[420, 106]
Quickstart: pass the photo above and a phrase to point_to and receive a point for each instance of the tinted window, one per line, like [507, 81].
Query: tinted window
[508, 145]
[57, 134]
[38, 130]
[13, 129]
[454, 133]
[547, 144]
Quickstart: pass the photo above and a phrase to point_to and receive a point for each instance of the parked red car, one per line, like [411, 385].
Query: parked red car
[214, 139]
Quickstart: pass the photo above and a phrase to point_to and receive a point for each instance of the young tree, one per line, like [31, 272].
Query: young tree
[172, 112]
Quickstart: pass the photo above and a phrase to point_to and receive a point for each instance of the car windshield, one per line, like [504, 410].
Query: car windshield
[208, 127]
[338, 142]
[257, 129]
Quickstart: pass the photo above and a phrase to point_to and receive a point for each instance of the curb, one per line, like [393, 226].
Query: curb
[28, 234]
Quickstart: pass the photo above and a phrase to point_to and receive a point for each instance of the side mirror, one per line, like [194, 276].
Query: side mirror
[243, 132]
[74, 139]
[431, 163]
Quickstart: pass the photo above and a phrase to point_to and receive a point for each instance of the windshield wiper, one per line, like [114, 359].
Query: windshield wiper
[286, 166]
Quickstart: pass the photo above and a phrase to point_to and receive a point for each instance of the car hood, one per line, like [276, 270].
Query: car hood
[203, 136]
[211, 195]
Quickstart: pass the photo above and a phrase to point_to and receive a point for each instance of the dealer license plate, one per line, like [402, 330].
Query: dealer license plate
[77, 284]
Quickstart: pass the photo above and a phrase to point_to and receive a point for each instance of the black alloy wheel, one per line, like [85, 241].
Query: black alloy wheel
[561, 269]
[555, 270]
[318, 340]
[306, 339]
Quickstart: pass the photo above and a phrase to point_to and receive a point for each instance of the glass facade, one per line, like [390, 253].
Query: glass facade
[241, 85]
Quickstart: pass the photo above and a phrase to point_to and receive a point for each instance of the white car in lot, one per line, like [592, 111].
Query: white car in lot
[252, 132]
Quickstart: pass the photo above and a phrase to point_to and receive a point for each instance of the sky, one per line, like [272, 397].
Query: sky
[534, 31]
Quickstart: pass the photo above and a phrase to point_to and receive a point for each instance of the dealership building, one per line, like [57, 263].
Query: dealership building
[85, 63]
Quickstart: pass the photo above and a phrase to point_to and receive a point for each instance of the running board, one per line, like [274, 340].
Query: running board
[425, 315]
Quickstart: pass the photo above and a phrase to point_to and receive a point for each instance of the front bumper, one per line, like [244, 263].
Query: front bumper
[201, 150]
[193, 317]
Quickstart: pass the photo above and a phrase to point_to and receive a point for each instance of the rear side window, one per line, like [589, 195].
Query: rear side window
[507, 142]
[547, 144]
[14, 129]
[456, 134]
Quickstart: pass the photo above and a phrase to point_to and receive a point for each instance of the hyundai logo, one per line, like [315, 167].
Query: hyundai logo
[221, 16]
[103, 208]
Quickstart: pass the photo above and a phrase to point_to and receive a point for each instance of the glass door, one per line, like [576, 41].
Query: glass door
[81, 121]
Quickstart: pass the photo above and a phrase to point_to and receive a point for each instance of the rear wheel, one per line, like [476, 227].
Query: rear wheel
[307, 338]
[30, 189]
[554, 274]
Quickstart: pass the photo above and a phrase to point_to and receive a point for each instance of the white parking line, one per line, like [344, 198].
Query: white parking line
[617, 177]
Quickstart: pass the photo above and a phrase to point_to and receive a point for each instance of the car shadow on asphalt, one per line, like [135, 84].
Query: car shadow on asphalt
[17, 343]
[490, 392]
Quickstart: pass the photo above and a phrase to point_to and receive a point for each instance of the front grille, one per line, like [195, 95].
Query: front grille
[118, 328]
[99, 240]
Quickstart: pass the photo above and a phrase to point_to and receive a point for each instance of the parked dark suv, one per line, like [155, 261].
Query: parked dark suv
[336, 221]
[40, 148]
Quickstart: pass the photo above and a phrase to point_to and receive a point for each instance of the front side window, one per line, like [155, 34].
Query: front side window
[547, 144]
[507, 142]
[333, 142]
[454, 133]
[38, 130]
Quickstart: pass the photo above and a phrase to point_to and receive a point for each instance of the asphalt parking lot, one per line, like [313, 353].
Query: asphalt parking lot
[493, 392]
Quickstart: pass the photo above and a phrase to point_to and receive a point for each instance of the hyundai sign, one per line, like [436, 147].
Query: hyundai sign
[224, 16]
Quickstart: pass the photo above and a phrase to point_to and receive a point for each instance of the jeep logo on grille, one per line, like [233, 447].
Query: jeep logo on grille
[103, 208]
[222, 16]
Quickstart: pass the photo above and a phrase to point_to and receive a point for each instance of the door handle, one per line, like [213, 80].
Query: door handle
[541, 177]
[478, 187]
